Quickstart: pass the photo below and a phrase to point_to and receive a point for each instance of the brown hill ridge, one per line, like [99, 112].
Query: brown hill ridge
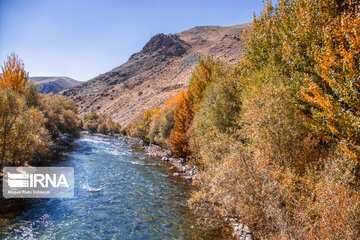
[161, 68]
[53, 84]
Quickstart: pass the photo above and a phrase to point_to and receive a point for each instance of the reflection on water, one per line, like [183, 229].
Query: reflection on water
[119, 194]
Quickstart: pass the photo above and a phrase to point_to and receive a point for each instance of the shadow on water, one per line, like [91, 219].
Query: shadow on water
[119, 194]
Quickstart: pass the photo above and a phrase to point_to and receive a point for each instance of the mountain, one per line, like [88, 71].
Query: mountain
[161, 68]
[54, 84]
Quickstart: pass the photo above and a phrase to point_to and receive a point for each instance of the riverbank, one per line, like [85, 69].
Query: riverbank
[181, 167]
[184, 169]
[120, 193]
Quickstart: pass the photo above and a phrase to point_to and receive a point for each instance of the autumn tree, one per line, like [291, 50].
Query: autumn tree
[163, 122]
[206, 71]
[183, 116]
[282, 173]
[335, 97]
[13, 75]
[13, 79]
[29, 121]
[316, 45]
[22, 130]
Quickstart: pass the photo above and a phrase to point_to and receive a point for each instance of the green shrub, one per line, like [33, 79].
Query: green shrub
[93, 123]
[91, 117]
[22, 130]
[136, 127]
[161, 127]
[61, 116]
[32, 96]
[113, 127]
[166, 123]
[219, 110]
[102, 128]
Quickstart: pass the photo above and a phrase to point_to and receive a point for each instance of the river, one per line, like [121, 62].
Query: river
[120, 193]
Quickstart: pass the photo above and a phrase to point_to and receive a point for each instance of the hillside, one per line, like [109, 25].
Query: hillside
[161, 68]
[53, 84]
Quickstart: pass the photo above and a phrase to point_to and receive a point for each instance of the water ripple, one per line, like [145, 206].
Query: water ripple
[119, 194]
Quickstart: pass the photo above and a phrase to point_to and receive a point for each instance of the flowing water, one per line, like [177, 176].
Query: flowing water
[119, 194]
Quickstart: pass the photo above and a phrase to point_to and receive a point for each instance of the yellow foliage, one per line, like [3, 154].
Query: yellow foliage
[282, 172]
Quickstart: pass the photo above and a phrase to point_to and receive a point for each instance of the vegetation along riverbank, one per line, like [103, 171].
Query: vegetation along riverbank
[272, 142]
[275, 137]
[33, 127]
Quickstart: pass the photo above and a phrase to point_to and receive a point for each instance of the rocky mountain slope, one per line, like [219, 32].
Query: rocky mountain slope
[161, 68]
[54, 84]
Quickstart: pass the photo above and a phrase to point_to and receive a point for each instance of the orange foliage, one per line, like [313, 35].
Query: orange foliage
[183, 116]
[169, 103]
[205, 72]
[14, 75]
[188, 102]
[335, 98]
[284, 177]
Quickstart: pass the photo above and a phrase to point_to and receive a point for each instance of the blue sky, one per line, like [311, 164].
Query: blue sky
[83, 38]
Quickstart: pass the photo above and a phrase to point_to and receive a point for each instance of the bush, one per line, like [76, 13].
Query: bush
[167, 123]
[321, 60]
[102, 128]
[140, 126]
[61, 116]
[113, 127]
[135, 127]
[22, 130]
[29, 121]
[91, 122]
[218, 112]
[91, 117]
[95, 123]
[161, 126]
[188, 102]
[32, 96]
[262, 171]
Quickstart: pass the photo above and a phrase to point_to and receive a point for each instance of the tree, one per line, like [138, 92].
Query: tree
[14, 75]
[335, 97]
[183, 116]
[22, 129]
[188, 101]
[61, 116]
[206, 71]
[9, 112]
